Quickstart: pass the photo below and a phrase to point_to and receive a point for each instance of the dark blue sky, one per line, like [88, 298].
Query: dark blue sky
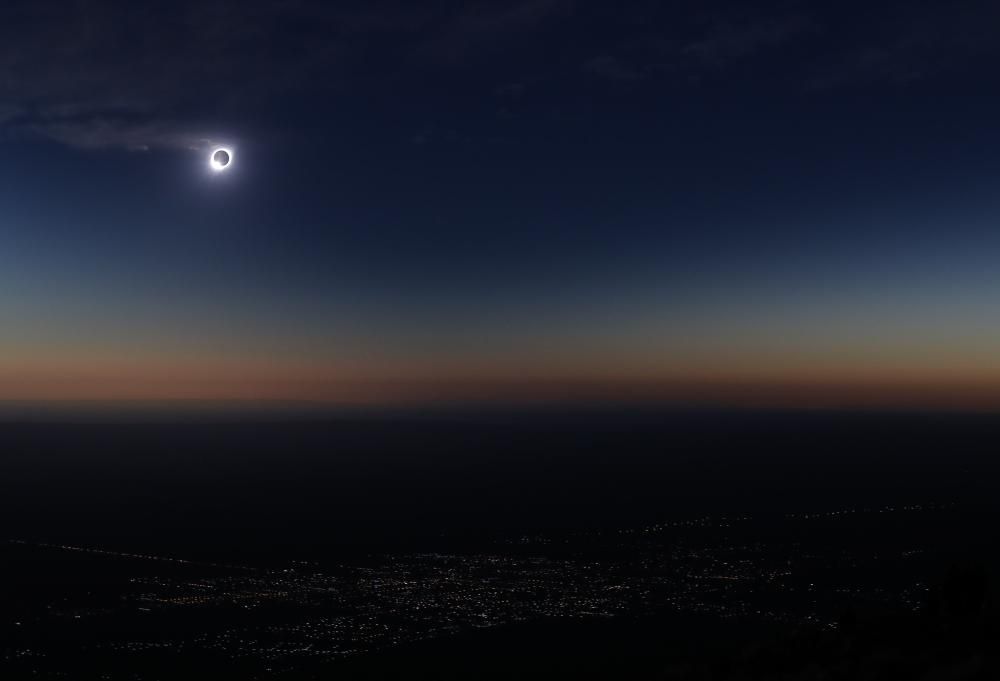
[530, 192]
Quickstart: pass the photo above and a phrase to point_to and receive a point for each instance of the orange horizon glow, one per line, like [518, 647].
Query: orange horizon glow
[774, 384]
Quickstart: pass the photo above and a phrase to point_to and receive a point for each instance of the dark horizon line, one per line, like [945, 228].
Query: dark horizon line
[184, 410]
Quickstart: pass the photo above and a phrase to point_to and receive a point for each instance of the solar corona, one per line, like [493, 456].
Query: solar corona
[221, 159]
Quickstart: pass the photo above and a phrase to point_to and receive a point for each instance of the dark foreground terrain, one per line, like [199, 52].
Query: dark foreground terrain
[501, 546]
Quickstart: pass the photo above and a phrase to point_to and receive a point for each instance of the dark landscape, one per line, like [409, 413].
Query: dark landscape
[438, 545]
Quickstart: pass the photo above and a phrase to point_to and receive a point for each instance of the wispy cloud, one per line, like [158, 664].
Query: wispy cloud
[97, 74]
[106, 74]
[905, 44]
[726, 41]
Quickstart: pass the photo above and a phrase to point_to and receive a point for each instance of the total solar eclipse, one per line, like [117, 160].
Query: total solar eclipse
[221, 159]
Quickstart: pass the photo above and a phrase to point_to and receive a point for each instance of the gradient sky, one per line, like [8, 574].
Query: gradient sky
[788, 204]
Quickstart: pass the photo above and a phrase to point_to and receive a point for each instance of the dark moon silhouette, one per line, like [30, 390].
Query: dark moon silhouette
[221, 157]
